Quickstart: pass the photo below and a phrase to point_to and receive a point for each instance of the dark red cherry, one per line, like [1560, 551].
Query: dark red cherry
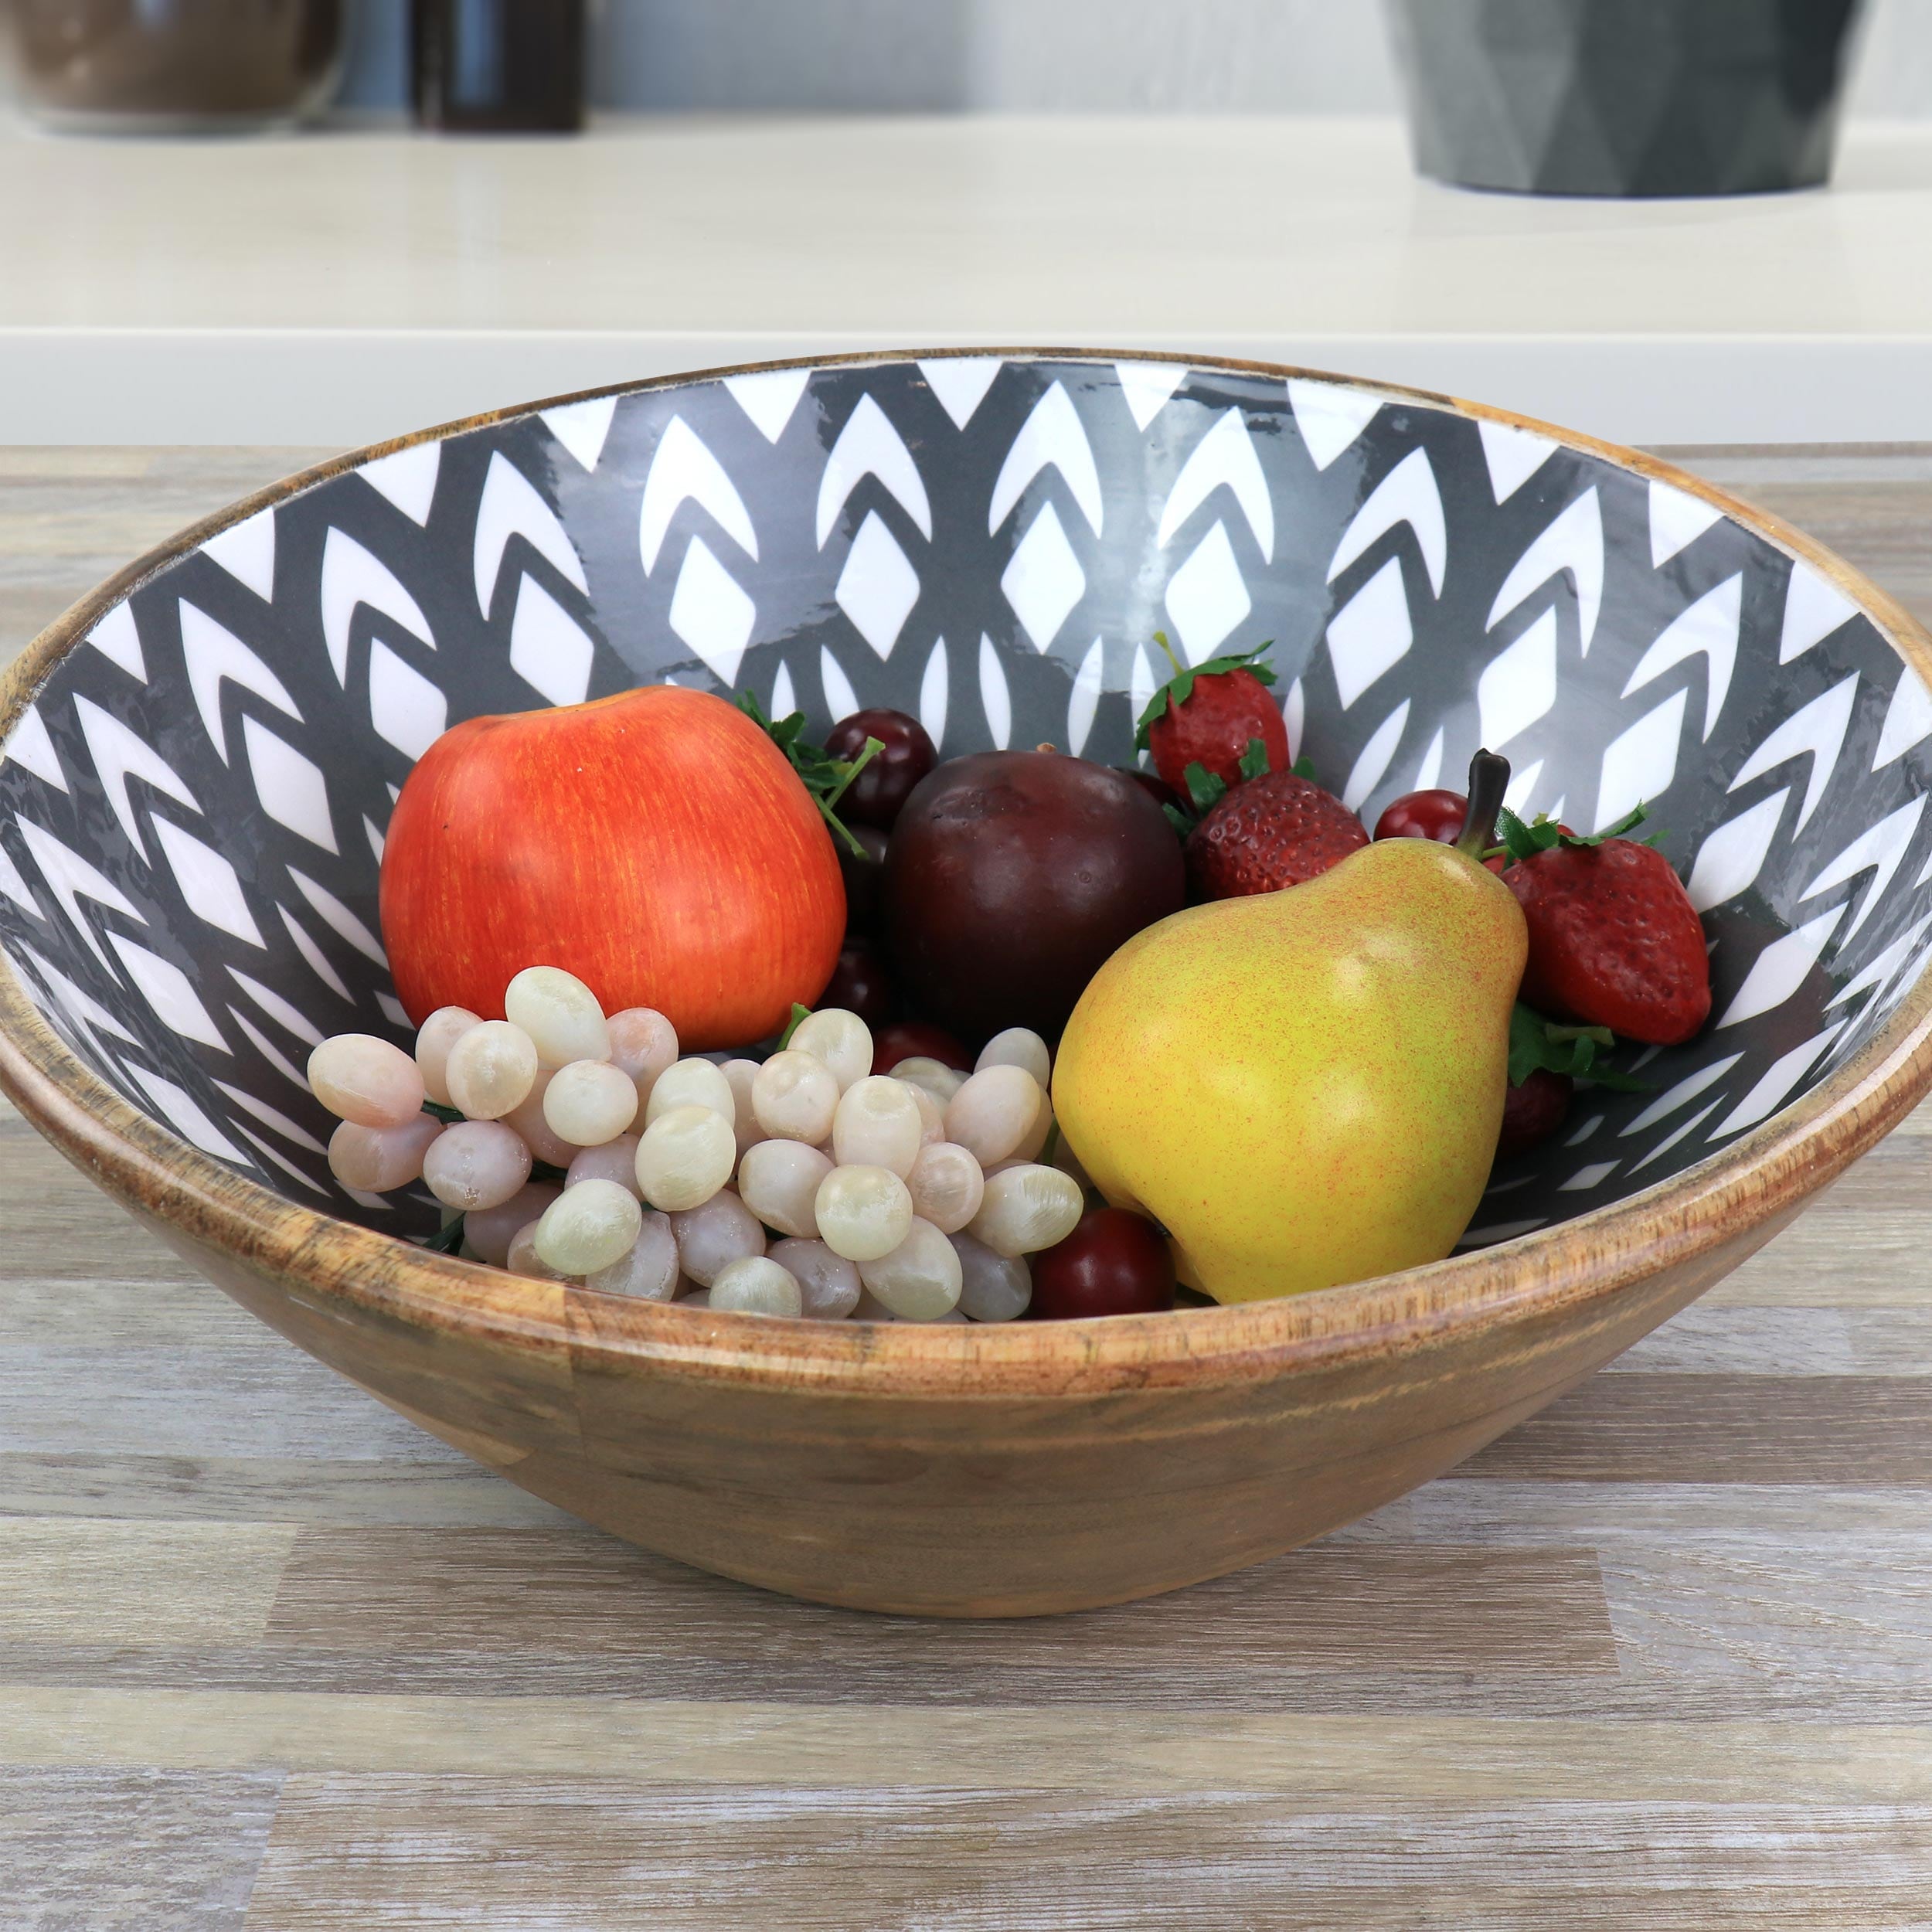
[906, 1039]
[860, 983]
[1533, 1112]
[1425, 814]
[863, 873]
[1115, 1263]
[905, 756]
[1154, 785]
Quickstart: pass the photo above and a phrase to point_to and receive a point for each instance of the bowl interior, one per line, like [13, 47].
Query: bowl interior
[192, 810]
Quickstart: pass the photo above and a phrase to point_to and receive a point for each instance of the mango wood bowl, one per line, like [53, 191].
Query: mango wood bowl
[200, 758]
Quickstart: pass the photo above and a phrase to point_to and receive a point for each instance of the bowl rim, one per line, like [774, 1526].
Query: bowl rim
[1741, 1193]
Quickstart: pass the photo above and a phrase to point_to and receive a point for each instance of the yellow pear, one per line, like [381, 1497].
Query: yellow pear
[1304, 1087]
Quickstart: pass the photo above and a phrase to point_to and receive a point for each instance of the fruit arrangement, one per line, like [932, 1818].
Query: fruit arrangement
[709, 1014]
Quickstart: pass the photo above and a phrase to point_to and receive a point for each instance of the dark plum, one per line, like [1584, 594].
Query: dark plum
[906, 754]
[1012, 876]
[1154, 786]
[860, 983]
[1115, 1262]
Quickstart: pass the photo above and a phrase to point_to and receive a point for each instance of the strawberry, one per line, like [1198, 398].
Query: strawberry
[1614, 939]
[1218, 716]
[1280, 829]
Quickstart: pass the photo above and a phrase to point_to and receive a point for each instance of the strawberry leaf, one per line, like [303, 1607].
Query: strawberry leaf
[798, 1014]
[1204, 787]
[1575, 1052]
[1179, 687]
[1254, 761]
[1521, 842]
[824, 777]
[1304, 768]
[1179, 820]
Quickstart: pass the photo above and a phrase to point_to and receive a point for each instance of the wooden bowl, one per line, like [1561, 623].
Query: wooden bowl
[151, 992]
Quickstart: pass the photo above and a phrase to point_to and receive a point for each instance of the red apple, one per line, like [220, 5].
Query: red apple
[657, 844]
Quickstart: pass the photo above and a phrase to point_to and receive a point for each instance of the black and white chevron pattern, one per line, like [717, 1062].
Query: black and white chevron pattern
[191, 813]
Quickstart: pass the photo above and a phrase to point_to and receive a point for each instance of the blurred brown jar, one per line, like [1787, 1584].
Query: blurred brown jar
[151, 67]
[499, 67]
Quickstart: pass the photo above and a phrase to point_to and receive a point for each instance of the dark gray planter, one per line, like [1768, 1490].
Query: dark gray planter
[1626, 98]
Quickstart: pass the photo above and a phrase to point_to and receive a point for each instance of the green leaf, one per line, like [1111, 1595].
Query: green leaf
[798, 1013]
[1304, 768]
[449, 1116]
[447, 1239]
[824, 777]
[1521, 842]
[1254, 761]
[1178, 819]
[1576, 1052]
[1204, 787]
[1179, 687]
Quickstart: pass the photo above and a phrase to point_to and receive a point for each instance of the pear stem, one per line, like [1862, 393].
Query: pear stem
[1488, 779]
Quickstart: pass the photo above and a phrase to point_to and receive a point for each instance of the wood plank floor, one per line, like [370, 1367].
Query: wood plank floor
[273, 1661]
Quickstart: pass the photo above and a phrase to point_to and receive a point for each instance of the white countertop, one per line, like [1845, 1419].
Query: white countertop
[345, 286]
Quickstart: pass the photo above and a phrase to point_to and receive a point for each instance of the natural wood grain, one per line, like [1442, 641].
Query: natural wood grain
[1849, 1431]
[1314, 1755]
[1399, 1727]
[386, 1855]
[1411, 1608]
[139, 1851]
[151, 1583]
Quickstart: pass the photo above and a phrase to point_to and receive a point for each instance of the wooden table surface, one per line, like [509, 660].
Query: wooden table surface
[273, 1659]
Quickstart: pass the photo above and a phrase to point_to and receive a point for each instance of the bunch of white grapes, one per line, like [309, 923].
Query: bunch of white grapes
[915, 1196]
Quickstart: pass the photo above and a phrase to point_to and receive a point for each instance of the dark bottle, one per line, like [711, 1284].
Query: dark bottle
[499, 67]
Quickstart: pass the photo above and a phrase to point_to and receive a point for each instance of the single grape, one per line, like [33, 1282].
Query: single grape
[589, 1226]
[377, 1159]
[828, 1282]
[756, 1286]
[1026, 1208]
[560, 1014]
[491, 1069]
[644, 1043]
[932, 1116]
[684, 1157]
[862, 871]
[878, 1125]
[1033, 1143]
[840, 1039]
[1113, 1262]
[1017, 1047]
[649, 1272]
[693, 1083]
[708, 1237]
[366, 1080]
[862, 1211]
[476, 1164]
[590, 1102]
[920, 1279]
[906, 1039]
[946, 1186]
[524, 1259]
[488, 1231]
[778, 1181]
[434, 1039]
[860, 983]
[740, 1076]
[530, 1121]
[933, 1076]
[697, 1298]
[885, 783]
[993, 1288]
[794, 1097]
[993, 1113]
[614, 1161]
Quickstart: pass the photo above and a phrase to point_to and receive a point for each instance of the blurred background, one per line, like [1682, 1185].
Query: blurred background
[1263, 56]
